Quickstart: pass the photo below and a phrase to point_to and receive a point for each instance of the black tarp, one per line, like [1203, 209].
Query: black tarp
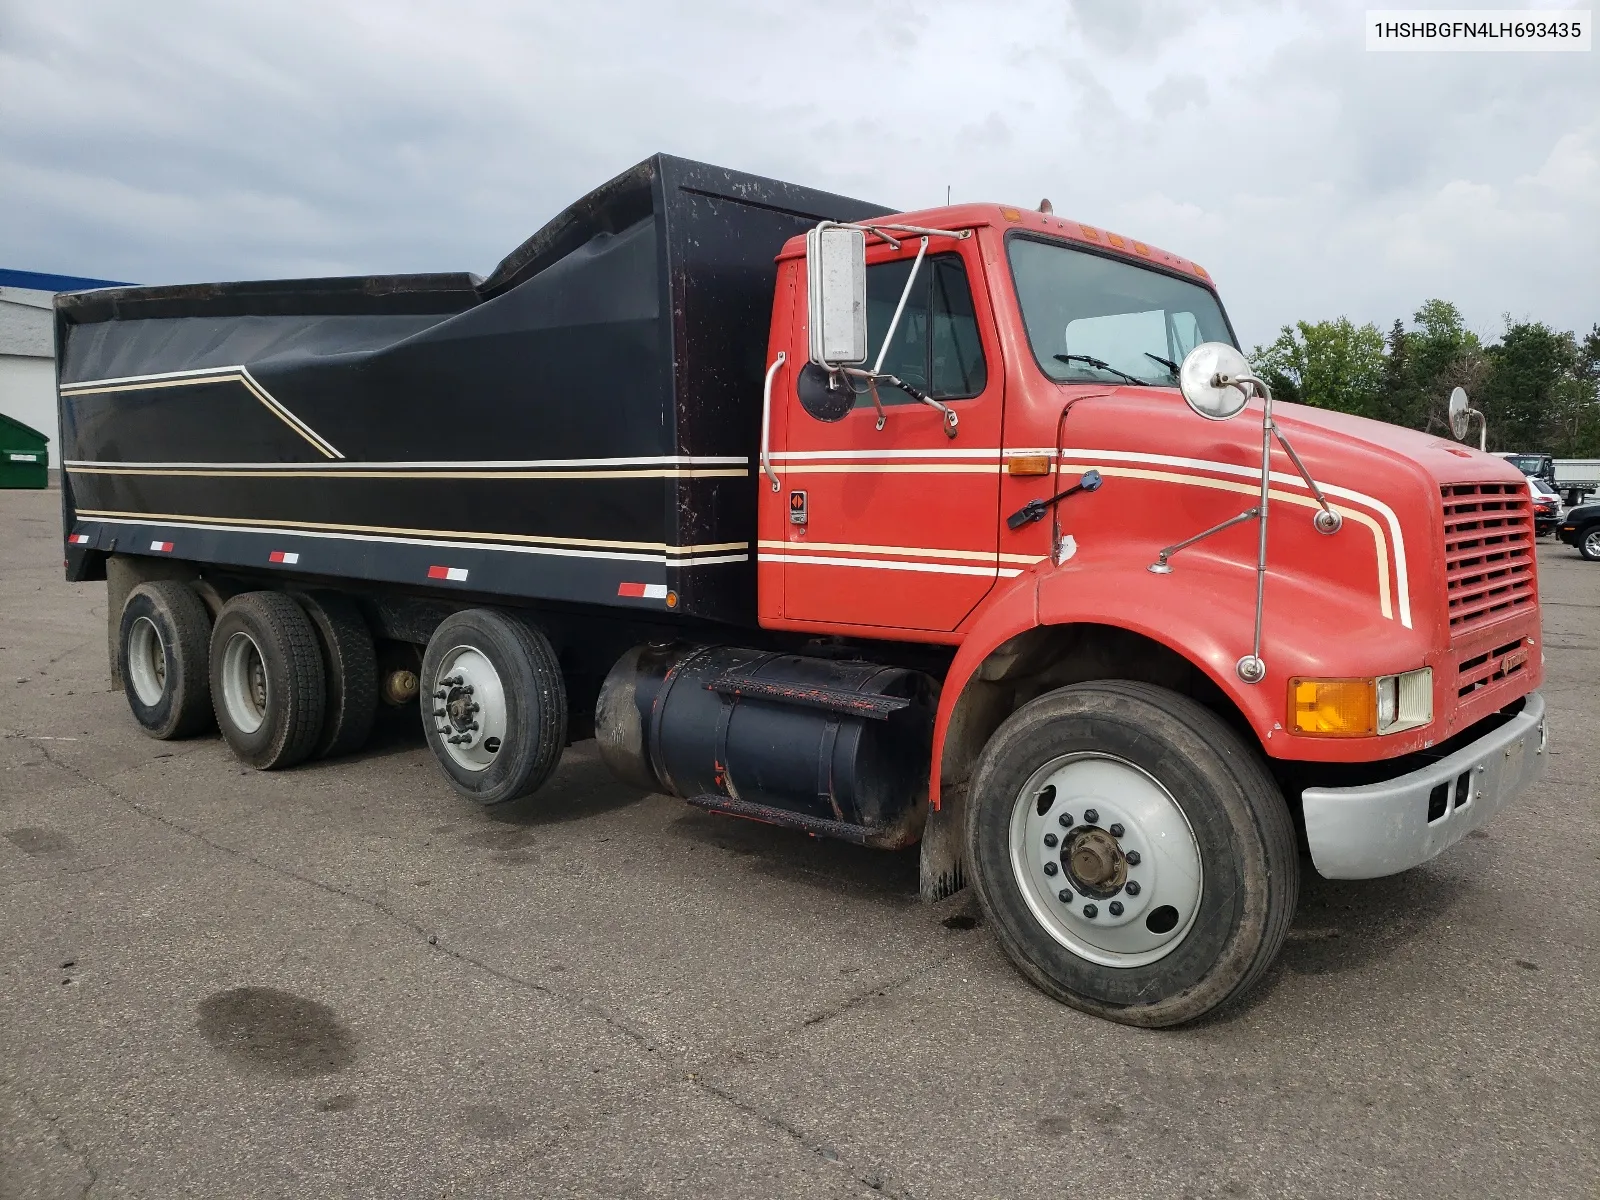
[632, 326]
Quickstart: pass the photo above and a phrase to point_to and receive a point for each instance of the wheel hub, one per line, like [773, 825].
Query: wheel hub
[1106, 859]
[1094, 862]
[469, 708]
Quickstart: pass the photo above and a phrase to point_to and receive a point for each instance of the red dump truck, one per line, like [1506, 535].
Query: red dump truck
[968, 527]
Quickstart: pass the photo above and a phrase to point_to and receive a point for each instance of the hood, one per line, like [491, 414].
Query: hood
[1446, 461]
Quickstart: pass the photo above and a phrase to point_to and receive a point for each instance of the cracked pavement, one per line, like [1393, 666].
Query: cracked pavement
[344, 980]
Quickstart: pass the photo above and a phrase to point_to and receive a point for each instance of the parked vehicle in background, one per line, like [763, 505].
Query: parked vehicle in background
[1547, 507]
[1577, 478]
[1581, 528]
[1537, 466]
[795, 506]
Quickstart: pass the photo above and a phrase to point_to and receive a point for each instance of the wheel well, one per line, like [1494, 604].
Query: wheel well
[1047, 657]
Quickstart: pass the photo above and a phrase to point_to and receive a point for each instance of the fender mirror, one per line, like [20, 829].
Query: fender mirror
[1460, 423]
[1210, 379]
[1461, 414]
[836, 295]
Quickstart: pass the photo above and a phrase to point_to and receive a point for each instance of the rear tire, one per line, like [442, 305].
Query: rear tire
[494, 685]
[350, 664]
[1132, 782]
[163, 653]
[268, 686]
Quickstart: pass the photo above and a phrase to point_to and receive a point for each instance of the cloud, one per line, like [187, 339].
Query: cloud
[168, 141]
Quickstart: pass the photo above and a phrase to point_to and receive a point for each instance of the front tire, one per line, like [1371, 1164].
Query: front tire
[1589, 543]
[494, 705]
[1132, 853]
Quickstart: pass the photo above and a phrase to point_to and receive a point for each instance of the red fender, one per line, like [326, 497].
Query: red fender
[1204, 612]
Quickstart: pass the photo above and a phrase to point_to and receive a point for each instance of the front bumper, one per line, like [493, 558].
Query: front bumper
[1382, 828]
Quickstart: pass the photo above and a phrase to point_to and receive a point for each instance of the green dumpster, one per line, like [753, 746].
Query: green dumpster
[24, 461]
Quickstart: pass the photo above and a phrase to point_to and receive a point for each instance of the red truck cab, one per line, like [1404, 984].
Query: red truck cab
[896, 526]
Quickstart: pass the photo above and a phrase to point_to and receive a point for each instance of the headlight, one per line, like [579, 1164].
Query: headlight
[1361, 707]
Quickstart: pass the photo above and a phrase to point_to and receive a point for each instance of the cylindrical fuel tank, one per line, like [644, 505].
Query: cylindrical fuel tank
[836, 746]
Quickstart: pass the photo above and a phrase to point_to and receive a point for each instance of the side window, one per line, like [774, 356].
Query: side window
[936, 347]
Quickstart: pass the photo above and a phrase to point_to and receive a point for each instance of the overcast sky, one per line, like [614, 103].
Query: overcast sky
[159, 142]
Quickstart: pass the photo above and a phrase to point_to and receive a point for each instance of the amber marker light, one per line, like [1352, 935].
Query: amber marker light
[1028, 464]
[1333, 707]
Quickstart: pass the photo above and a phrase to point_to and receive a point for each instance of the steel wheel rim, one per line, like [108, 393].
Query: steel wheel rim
[1591, 543]
[469, 705]
[1164, 870]
[246, 691]
[147, 661]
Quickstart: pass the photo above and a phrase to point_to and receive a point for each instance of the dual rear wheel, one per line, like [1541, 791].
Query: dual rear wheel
[283, 677]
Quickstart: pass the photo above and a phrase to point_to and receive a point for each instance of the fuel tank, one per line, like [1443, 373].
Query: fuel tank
[838, 747]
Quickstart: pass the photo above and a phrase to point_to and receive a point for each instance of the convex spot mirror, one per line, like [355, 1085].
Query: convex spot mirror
[1207, 377]
[836, 295]
[1459, 421]
[824, 394]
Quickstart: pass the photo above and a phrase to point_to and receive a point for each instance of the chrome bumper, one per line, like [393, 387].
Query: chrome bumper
[1382, 828]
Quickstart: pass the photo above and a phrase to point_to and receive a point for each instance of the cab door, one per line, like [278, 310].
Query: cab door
[898, 527]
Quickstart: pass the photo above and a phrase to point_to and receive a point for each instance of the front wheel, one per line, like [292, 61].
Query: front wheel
[1589, 543]
[1133, 854]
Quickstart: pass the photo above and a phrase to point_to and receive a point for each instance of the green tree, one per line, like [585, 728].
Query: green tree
[1572, 420]
[1532, 368]
[1442, 354]
[1330, 364]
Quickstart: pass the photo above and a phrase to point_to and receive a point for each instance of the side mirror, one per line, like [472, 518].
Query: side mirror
[836, 295]
[1210, 380]
[1460, 423]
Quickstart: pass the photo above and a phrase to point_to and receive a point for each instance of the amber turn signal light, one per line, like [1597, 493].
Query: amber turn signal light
[1333, 707]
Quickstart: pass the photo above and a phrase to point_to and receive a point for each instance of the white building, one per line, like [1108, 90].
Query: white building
[27, 348]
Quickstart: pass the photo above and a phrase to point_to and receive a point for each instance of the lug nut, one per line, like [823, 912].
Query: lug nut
[1116, 908]
[441, 695]
[1133, 858]
[451, 681]
[1066, 820]
[1064, 895]
[1090, 816]
[439, 712]
[1132, 887]
[1049, 839]
[1090, 911]
[1116, 831]
[1050, 868]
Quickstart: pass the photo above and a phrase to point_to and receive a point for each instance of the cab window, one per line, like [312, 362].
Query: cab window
[936, 347]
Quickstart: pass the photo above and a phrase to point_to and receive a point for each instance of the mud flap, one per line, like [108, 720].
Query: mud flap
[943, 870]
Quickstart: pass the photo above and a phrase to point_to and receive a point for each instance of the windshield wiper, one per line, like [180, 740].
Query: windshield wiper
[1103, 365]
[1165, 362]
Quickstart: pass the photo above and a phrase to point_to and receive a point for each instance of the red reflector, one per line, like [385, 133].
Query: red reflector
[284, 556]
[643, 591]
[161, 547]
[454, 574]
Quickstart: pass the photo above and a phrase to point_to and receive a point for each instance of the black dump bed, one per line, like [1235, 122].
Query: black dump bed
[582, 425]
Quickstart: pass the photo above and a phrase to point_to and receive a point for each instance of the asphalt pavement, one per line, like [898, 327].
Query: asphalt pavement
[344, 980]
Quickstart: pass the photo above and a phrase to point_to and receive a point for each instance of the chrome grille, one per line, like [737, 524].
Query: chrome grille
[1488, 552]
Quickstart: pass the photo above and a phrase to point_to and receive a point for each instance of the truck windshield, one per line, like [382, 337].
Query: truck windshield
[1092, 318]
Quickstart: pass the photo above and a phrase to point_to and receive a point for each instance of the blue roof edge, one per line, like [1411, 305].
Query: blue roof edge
[41, 281]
